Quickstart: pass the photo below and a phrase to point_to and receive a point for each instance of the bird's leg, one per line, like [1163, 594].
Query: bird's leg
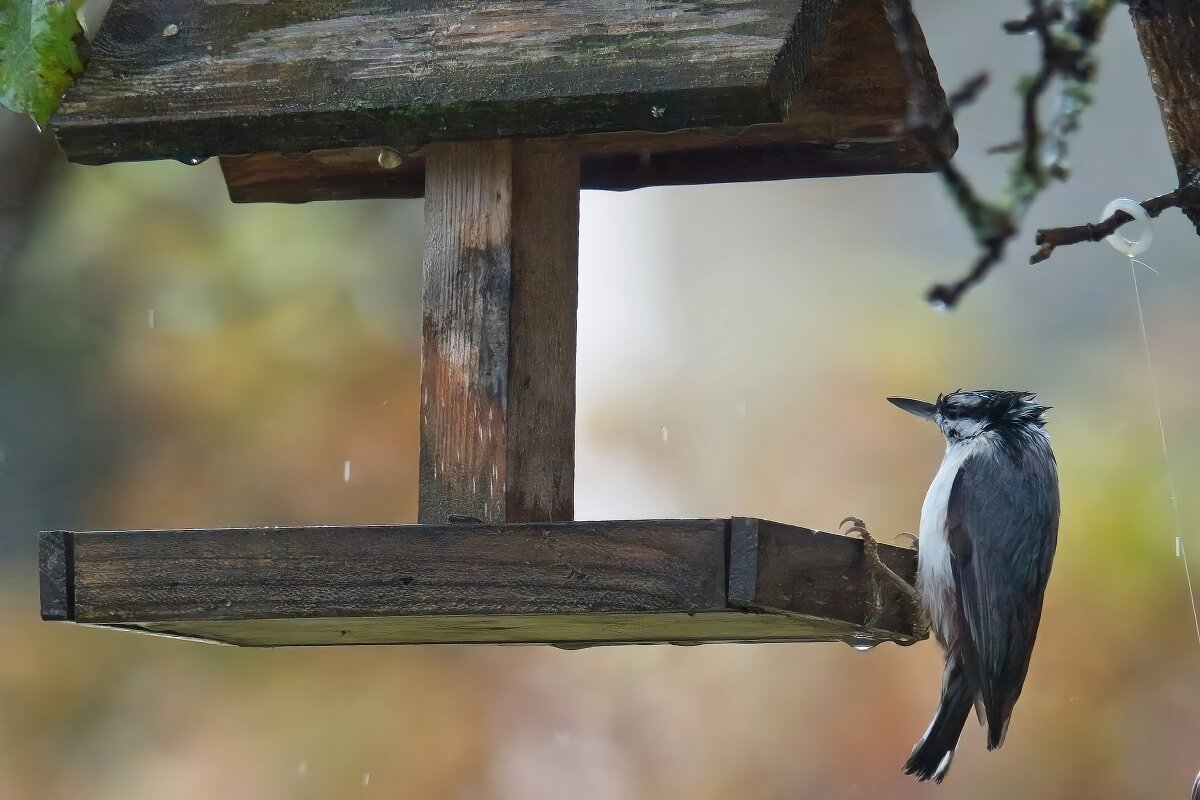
[875, 569]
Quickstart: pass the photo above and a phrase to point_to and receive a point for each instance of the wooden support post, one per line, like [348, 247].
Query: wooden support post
[498, 355]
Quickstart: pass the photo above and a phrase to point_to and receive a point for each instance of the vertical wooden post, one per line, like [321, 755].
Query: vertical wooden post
[498, 354]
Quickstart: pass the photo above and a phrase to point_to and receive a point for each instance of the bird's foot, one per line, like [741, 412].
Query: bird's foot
[876, 570]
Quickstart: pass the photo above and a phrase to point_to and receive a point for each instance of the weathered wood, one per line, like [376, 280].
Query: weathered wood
[55, 572]
[540, 463]
[854, 114]
[1169, 34]
[498, 358]
[573, 583]
[247, 76]
[794, 570]
[465, 333]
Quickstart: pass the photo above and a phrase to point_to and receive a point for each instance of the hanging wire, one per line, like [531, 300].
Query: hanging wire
[1180, 550]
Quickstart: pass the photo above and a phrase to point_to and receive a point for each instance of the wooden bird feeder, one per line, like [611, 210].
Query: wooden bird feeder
[497, 113]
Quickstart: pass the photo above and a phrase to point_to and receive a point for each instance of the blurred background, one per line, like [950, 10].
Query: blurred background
[168, 359]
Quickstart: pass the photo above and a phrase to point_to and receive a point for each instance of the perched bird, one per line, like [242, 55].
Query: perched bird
[989, 526]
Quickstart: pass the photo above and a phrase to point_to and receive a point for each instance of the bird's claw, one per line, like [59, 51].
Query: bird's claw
[875, 569]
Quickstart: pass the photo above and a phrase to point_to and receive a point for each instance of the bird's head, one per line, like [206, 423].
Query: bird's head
[964, 415]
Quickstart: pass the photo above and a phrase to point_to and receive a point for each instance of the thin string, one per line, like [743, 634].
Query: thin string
[1180, 551]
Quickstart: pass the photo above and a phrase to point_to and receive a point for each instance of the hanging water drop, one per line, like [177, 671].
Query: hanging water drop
[666, 434]
[346, 471]
[939, 305]
[389, 158]
[366, 779]
[191, 161]
[863, 645]
[150, 319]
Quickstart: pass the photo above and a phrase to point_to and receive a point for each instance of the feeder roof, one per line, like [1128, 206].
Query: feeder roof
[631, 80]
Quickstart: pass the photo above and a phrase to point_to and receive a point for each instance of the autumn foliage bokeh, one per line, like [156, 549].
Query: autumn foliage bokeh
[168, 359]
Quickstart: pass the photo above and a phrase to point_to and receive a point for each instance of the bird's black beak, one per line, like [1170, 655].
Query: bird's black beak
[918, 407]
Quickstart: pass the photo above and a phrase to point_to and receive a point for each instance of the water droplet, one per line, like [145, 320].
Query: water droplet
[863, 645]
[150, 318]
[562, 738]
[666, 434]
[346, 471]
[170, 30]
[302, 768]
[191, 161]
[842, 146]
[228, 603]
[740, 409]
[389, 158]
[657, 111]
[939, 305]
[366, 779]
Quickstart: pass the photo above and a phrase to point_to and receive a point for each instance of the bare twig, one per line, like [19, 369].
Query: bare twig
[1066, 31]
[968, 92]
[1050, 238]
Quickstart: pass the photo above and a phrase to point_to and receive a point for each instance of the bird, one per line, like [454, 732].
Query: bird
[988, 534]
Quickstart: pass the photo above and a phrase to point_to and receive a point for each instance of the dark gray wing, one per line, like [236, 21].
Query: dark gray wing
[1002, 525]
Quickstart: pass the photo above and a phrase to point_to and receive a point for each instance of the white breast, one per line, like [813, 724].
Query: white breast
[935, 580]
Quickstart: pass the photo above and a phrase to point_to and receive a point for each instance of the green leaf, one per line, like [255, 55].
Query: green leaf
[38, 54]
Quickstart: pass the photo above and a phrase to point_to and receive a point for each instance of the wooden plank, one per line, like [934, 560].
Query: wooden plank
[465, 332]
[573, 584]
[55, 573]
[800, 571]
[247, 76]
[540, 463]
[564, 630]
[842, 120]
[413, 570]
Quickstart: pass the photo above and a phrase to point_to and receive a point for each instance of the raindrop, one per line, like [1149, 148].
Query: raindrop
[741, 409]
[150, 318]
[666, 434]
[389, 158]
[366, 779]
[346, 471]
[170, 30]
[302, 768]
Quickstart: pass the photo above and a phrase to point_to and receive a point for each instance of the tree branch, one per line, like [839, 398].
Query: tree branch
[1185, 197]
[1067, 31]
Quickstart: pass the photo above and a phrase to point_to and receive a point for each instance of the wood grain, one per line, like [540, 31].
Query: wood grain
[796, 570]
[465, 331]
[247, 76]
[284, 573]
[498, 357]
[855, 113]
[55, 574]
[540, 462]
[577, 584]
[1169, 34]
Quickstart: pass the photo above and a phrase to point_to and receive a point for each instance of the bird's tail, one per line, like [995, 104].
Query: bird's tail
[931, 757]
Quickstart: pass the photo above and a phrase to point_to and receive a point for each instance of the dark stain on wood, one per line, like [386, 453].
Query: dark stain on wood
[465, 332]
